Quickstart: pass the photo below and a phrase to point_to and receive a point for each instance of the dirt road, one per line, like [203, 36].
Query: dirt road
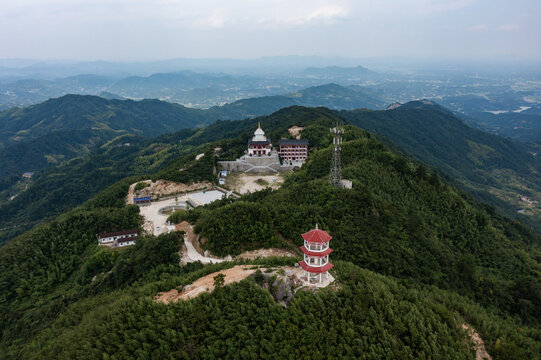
[478, 343]
[191, 254]
[206, 284]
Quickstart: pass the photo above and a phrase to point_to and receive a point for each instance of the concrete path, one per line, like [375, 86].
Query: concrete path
[193, 255]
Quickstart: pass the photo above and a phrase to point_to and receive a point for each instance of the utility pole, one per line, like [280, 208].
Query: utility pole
[335, 176]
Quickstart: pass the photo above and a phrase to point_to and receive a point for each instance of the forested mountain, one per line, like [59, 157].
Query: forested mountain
[76, 112]
[415, 259]
[40, 136]
[154, 117]
[43, 135]
[426, 131]
[496, 170]
[55, 190]
[331, 96]
[50, 149]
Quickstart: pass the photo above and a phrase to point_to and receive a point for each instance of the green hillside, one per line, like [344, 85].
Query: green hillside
[153, 117]
[77, 112]
[69, 184]
[39, 136]
[399, 219]
[57, 189]
[428, 132]
[415, 259]
[495, 170]
[50, 149]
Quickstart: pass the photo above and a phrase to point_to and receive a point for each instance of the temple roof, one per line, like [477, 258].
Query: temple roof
[316, 253]
[262, 142]
[316, 236]
[315, 269]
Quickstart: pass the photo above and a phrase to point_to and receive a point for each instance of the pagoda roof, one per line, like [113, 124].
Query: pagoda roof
[259, 142]
[316, 253]
[316, 236]
[315, 269]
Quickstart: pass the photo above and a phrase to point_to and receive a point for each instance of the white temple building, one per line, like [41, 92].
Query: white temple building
[259, 145]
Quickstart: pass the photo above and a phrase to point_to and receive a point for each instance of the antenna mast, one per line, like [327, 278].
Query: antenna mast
[335, 176]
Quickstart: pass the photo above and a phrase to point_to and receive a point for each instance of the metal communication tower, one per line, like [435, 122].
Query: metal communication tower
[336, 165]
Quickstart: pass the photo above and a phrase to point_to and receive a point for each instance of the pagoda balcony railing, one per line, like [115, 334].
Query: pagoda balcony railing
[317, 262]
[316, 247]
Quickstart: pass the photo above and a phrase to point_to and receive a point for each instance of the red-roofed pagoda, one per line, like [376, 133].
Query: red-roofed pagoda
[316, 251]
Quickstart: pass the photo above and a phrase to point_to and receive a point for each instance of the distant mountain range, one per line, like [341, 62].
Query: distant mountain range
[341, 73]
[272, 64]
[194, 89]
[331, 96]
[499, 99]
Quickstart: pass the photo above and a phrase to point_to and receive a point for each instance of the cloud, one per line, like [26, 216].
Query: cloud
[417, 7]
[213, 14]
[433, 6]
[323, 13]
[217, 19]
[131, 28]
[479, 28]
[508, 27]
[502, 28]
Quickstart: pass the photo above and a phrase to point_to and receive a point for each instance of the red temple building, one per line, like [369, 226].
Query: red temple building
[316, 251]
[294, 150]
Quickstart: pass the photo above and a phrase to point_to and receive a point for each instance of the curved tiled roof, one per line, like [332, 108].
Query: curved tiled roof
[316, 253]
[315, 269]
[317, 236]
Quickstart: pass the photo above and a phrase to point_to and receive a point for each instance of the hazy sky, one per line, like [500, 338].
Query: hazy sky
[160, 29]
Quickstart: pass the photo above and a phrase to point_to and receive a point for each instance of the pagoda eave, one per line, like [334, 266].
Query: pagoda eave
[316, 253]
[316, 236]
[315, 269]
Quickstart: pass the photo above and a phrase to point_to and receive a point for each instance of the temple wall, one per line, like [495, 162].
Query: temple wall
[235, 166]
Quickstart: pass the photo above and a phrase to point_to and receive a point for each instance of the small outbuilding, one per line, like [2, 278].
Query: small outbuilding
[142, 200]
[118, 238]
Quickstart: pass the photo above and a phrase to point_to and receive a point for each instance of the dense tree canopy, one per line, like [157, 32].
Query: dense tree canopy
[415, 259]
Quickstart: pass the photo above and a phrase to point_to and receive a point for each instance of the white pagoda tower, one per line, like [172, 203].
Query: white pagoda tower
[316, 251]
[259, 145]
